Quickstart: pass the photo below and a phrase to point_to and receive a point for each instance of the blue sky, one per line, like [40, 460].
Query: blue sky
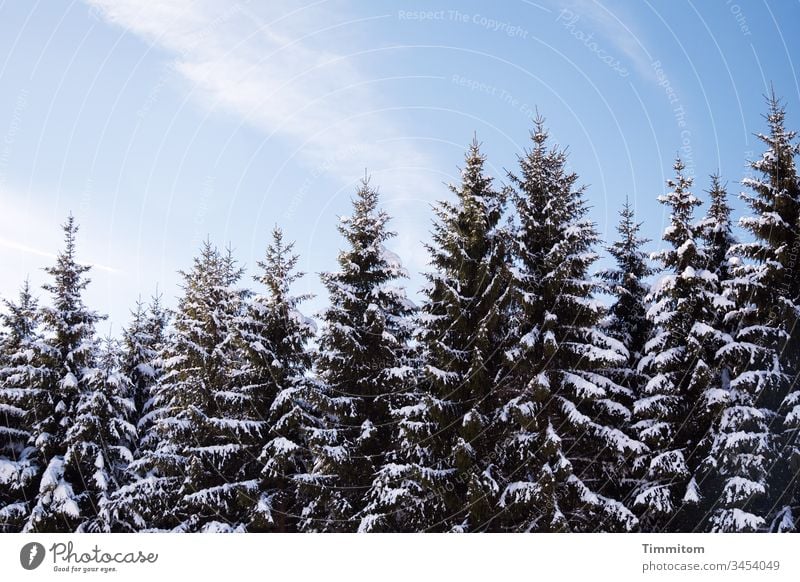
[158, 124]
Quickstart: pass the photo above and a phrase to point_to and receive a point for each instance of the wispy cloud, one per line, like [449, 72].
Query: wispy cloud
[266, 64]
[616, 27]
[21, 247]
[29, 227]
[295, 74]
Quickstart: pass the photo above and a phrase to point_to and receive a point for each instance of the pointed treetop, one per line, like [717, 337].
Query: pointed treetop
[278, 267]
[627, 248]
[22, 317]
[67, 271]
[627, 227]
[539, 133]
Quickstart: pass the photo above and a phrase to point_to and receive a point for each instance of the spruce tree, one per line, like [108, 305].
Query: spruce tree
[627, 323]
[627, 316]
[683, 396]
[142, 342]
[21, 375]
[716, 230]
[759, 479]
[99, 440]
[551, 440]
[362, 364]
[68, 354]
[441, 473]
[275, 339]
[192, 479]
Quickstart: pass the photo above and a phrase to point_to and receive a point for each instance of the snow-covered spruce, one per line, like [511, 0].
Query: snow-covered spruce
[68, 358]
[441, 473]
[757, 491]
[684, 394]
[202, 473]
[551, 441]
[99, 441]
[396, 432]
[143, 340]
[716, 231]
[21, 376]
[363, 364]
[627, 323]
[274, 337]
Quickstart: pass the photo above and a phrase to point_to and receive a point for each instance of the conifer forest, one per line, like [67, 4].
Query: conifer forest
[529, 391]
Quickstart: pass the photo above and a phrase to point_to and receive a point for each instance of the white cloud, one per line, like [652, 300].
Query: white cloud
[285, 71]
[20, 247]
[30, 233]
[617, 28]
[265, 63]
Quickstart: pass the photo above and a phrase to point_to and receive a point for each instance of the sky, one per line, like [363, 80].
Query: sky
[161, 124]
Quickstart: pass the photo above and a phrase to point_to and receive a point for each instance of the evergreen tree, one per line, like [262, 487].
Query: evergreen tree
[763, 356]
[21, 376]
[552, 442]
[192, 479]
[440, 476]
[363, 364]
[100, 438]
[683, 396]
[68, 354]
[627, 323]
[716, 230]
[275, 338]
[627, 316]
[142, 342]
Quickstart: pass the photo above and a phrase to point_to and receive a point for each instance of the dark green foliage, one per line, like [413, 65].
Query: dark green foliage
[441, 476]
[21, 376]
[362, 363]
[553, 442]
[684, 394]
[275, 338]
[763, 417]
[68, 353]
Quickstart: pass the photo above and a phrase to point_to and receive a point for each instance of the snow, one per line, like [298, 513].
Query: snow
[583, 388]
[656, 499]
[668, 463]
[69, 381]
[716, 396]
[282, 446]
[738, 489]
[784, 522]
[522, 492]
[692, 494]
[217, 527]
[336, 453]
[52, 475]
[576, 418]
[441, 375]
[393, 261]
[793, 417]
[736, 520]
[399, 372]
[8, 471]
[530, 338]
[367, 430]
